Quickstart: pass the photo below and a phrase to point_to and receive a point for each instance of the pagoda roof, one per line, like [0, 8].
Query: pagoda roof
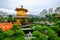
[19, 9]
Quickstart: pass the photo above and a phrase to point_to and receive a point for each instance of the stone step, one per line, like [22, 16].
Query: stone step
[25, 26]
[27, 29]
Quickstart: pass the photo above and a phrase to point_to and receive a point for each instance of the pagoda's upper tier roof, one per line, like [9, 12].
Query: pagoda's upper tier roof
[19, 9]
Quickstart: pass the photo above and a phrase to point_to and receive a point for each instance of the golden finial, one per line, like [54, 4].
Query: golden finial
[21, 6]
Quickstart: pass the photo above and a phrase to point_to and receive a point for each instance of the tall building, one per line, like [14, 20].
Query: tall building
[50, 10]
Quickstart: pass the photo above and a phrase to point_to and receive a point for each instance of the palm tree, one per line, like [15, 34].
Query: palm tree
[10, 18]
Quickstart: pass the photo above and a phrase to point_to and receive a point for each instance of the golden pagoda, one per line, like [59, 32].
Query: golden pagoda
[21, 13]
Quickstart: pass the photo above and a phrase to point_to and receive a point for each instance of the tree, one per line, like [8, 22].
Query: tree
[15, 33]
[31, 20]
[1, 34]
[18, 33]
[43, 32]
[1, 19]
[39, 36]
[11, 19]
[23, 21]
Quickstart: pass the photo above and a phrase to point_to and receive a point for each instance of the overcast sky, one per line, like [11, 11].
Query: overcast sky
[33, 6]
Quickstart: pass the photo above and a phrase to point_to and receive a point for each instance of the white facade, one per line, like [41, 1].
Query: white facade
[58, 10]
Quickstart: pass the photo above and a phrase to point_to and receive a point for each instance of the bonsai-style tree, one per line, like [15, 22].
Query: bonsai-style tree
[23, 21]
[15, 33]
[43, 32]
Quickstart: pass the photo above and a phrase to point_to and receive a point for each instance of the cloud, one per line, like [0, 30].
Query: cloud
[8, 11]
[34, 6]
[9, 4]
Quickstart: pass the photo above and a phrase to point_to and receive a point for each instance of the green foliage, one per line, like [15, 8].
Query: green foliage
[56, 26]
[40, 31]
[16, 27]
[8, 38]
[57, 23]
[1, 19]
[23, 21]
[39, 36]
[13, 20]
[9, 33]
[31, 39]
[37, 27]
[18, 33]
[15, 33]
[31, 20]
[41, 28]
[43, 32]
[52, 17]
[51, 33]
[20, 38]
[10, 19]
[36, 34]
[1, 34]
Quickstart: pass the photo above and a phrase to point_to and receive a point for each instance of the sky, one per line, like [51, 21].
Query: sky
[33, 6]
